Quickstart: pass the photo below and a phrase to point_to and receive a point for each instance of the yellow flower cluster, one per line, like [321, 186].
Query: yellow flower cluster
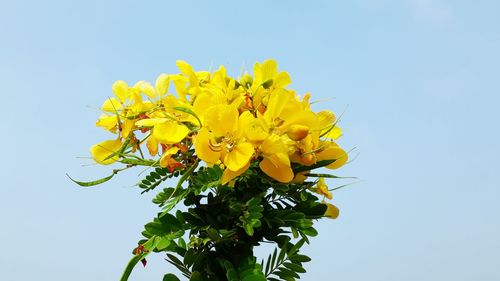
[225, 121]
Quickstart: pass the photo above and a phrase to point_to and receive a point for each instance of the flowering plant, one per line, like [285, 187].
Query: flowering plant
[243, 150]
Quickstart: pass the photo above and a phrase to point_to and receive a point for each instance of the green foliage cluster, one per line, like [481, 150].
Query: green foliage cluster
[223, 224]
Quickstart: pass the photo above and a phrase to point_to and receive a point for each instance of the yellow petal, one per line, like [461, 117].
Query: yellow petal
[277, 101]
[239, 156]
[276, 167]
[111, 105]
[206, 100]
[162, 84]
[282, 80]
[146, 88]
[334, 133]
[300, 177]
[149, 122]
[104, 149]
[325, 119]
[107, 122]
[333, 152]
[127, 127]
[269, 69]
[170, 132]
[164, 159]
[273, 145]
[152, 145]
[185, 68]
[295, 115]
[203, 147]
[221, 119]
[229, 175]
[180, 85]
[254, 129]
[331, 211]
[120, 89]
[322, 188]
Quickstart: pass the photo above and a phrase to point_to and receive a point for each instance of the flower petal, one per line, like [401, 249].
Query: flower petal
[333, 152]
[101, 151]
[282, 80]
[149, 122]
[120, 89]
[254, 129]
[162, 84]
[146, 88]
[239, 156]
[202, 146]
[152, 145]
[331, 211]
[107, 122]
[170, 132]
[111, 105]
[221, 119]
[276, 167]
[334, 133]
[229, 175]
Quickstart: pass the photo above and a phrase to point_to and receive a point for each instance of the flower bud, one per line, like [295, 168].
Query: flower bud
[297, 132]
[331, 211]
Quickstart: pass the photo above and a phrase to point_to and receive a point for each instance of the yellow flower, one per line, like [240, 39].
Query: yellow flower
[235, 122]
[332, 151]
[285, 113]
[276, 163]
[331, 211]
[267, 74]
[322, 188]
[102, 151]
[222, 139]
[165, 130]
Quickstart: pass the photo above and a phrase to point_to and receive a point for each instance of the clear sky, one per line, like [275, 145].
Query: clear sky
[419, 80]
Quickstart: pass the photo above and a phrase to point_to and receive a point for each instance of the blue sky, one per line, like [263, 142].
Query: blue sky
[418, 80]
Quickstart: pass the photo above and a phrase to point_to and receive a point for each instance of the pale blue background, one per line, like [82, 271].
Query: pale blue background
[419, 78]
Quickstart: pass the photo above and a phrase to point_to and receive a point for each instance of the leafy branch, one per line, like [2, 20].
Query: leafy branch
[287, 263]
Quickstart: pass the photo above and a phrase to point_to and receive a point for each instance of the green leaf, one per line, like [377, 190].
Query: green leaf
[154, 179]
[91, 183]
[309, 231]
[318, 164]
[327, 176]
[296, 247]
[179, 265]
[196, 276]
[163, 243]
[170, 277]
[174, 200]
[255, 277]
[300, 258]
[248, 229]
[294, 267]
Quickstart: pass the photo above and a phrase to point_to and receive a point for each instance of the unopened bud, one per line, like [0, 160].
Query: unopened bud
[297, 132]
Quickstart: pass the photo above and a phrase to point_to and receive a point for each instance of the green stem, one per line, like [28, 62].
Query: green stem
[143, 162]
